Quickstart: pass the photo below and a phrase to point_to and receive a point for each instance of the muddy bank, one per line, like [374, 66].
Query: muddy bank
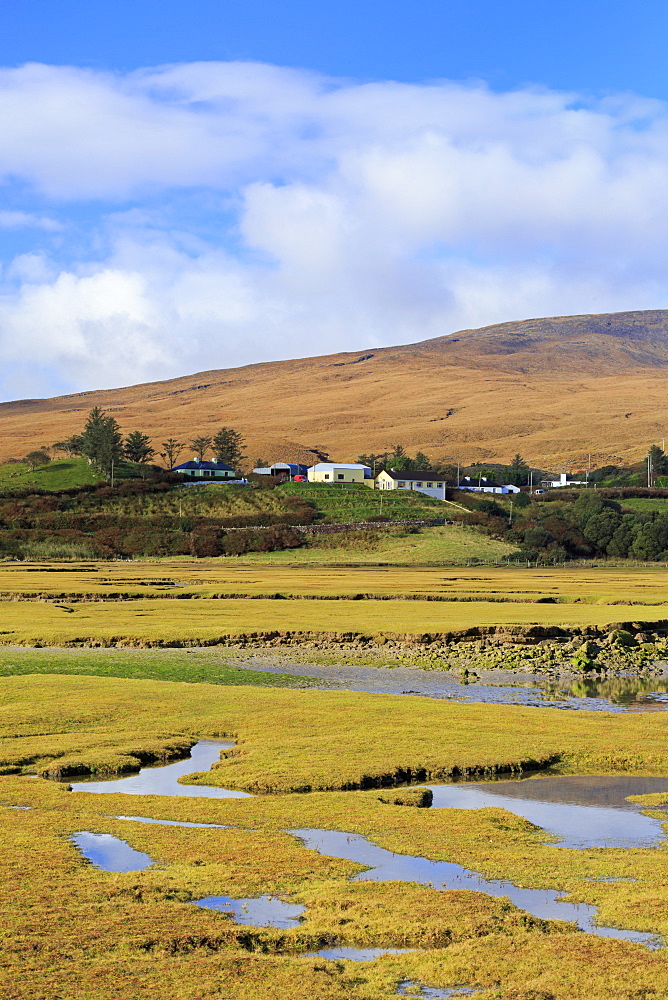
[620, 647]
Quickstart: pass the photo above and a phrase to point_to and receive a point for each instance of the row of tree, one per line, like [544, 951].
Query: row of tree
[103, 444]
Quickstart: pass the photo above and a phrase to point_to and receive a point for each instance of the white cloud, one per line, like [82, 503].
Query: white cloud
[262, 212]
[25, 220]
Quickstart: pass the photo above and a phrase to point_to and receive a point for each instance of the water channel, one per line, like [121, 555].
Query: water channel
[586, 811]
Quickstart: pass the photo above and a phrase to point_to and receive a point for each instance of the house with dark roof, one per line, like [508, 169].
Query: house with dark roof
[422, 480]
[199, 471]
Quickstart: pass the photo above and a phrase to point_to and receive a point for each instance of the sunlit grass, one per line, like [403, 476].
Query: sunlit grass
[69, 930]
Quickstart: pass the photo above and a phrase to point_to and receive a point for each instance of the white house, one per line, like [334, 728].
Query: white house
[481, 484]
[424, 481]
[205, 470]
[340, 472]
[563, 480]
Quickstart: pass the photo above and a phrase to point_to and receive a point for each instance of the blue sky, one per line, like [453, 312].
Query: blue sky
[197, 185]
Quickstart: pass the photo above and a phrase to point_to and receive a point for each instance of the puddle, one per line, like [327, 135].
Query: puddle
[384, 866]
[585, 811]
[264, 911]
[173, 822]
[19, 807]
[358, 954]
[110, 854]
[163, 780]
[409, 988]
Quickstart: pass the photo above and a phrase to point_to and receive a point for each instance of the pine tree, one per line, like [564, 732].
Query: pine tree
[137, 447]
[228, 447]
[102, 442]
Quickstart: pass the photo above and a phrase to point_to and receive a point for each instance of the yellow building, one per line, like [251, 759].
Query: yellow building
[340, 472]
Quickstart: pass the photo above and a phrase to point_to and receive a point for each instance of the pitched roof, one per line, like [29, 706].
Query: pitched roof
[422, 474]
[213, 466]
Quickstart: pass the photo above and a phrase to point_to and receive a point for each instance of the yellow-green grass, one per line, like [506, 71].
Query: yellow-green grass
[452, 545]
[69, 930]
[167, 622]
[586, 585]
[296, 739]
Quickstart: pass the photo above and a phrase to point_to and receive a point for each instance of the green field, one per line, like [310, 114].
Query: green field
[61, 474]
[646, 504]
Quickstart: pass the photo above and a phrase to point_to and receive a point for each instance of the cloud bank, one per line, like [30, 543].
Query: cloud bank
[214, 214]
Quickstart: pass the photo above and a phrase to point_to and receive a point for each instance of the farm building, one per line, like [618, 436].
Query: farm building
[340, 472]
[563, 480]
[286, 470]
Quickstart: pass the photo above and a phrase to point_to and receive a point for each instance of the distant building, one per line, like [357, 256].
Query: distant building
[205, 470]
[563, 480]
[286, 470]
[481, 484]
[340, 472]
[423, 481]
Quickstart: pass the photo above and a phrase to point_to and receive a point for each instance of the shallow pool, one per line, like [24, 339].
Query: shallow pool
[584, 811]
[163, 780]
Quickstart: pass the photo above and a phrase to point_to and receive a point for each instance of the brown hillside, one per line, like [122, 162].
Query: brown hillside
[553, 389]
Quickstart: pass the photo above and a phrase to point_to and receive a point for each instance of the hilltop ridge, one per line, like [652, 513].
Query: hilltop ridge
[554, 389]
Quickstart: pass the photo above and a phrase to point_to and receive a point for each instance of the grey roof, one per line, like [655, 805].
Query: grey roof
[194, 464]
[407, 475]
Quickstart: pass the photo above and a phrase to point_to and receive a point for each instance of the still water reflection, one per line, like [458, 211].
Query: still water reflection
[384, 866]
[584, 811]
[163, 780]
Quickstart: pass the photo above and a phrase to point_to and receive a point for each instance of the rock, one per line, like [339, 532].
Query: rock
[620, 637]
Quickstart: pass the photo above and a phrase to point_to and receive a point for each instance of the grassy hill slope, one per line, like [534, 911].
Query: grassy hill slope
[554, 389]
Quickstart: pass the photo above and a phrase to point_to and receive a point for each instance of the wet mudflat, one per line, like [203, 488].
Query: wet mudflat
[494, 686]
[163, 780]
[583, 811]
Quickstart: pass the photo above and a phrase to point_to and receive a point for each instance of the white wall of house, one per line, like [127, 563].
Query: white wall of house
[430, 487]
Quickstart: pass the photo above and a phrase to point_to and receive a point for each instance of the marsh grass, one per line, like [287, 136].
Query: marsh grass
[70, 930]
[191, 666]
[165, 622]
[611, 585]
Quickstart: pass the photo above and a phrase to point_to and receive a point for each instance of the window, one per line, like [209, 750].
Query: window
[429, 486]
[402, 484]
[418, 484]
[327, 475]
[339, 475]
